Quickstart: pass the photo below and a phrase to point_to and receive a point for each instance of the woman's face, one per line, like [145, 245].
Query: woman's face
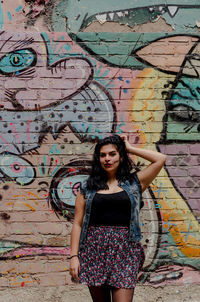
[109, 158]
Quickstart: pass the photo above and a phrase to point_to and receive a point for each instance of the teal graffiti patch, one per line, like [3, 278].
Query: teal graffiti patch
[6, 246]
[18, 9]
[184, 112]
[56, 49]
[9, 16]
[182, 16]
[17, 61]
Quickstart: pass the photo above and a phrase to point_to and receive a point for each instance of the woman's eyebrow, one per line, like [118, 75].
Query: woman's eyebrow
[101, 153]
[111, 152]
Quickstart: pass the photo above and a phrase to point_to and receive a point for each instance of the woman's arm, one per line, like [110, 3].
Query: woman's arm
[75, 235]
[157, 159]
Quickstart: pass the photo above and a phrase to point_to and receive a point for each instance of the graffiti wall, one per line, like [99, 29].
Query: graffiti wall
[69, 75]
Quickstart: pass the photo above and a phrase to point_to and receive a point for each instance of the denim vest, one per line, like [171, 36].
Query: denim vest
[134, 191]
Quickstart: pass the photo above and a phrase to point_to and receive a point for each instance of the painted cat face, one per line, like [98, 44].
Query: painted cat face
[30, 79]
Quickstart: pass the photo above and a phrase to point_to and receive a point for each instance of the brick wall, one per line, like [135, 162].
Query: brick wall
[63, 86]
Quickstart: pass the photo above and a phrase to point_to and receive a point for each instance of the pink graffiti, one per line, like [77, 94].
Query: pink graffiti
[28, 130]
[5, 141]
[30, 251]
[15, 131]
[75, 188]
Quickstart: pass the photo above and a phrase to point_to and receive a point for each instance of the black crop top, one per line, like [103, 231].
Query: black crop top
[111, 209]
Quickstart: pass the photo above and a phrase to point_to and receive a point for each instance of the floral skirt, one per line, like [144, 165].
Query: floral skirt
[109, 258]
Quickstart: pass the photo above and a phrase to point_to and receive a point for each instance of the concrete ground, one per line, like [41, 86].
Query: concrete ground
[80, 293]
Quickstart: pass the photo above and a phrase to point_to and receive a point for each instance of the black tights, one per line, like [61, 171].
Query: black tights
[103, 294]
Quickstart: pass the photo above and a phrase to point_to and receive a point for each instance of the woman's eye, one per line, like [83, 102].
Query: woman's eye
[113, 154]
[17, 61]
[17, 168]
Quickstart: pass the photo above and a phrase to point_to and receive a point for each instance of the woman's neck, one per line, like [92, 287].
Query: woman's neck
[111, 179]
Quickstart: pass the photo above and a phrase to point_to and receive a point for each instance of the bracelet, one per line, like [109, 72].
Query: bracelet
[73, 256]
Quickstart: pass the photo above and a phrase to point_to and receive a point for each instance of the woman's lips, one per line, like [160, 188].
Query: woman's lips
[107, 165]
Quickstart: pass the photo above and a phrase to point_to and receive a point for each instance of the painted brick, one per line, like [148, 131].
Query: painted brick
[4, 282]
[49, 228]
[18, 228]
[23, 281]
[57, 267]
[194, 148]
[30, 267]
[28, 238]
[7, 267]
[36, 216]
[52, 279]
[4, 229]
[88, 36]
[57, 241]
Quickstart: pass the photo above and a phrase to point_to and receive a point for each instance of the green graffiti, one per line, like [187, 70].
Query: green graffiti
[183, 118]
[74, 16]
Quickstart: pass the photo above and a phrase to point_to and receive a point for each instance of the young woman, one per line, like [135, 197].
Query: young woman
[106, 253]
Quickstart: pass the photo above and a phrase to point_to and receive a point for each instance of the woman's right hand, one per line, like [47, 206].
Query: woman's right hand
[127, 144]
[74, 268]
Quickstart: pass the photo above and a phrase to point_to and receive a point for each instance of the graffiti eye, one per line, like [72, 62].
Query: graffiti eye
[67, 189]
[184, 113]
[17, 61]
[65, 186]
[17, 168]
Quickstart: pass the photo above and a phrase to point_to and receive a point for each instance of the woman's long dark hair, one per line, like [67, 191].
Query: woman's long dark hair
[98, 177]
